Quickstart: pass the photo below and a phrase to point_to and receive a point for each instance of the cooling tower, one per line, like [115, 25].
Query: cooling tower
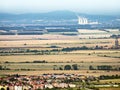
[82, 20]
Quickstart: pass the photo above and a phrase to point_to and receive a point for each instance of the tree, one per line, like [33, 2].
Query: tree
[91, 67]
[67, 67]
[75, 67]
[1, 67]
[60, 68]
[2, 89]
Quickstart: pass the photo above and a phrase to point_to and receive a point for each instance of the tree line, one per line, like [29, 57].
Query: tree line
[66, 67]
[104, 67]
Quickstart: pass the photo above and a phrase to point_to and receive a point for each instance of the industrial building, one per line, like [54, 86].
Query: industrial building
[85, 21]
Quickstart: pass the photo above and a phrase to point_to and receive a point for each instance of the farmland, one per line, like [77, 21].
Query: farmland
[59, 58]
[55, 50]
[86, 33]
[59, 50]
[14, 42]
[20, 62]
[35, 55]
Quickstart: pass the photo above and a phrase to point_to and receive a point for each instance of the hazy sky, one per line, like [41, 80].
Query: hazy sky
[82, 6]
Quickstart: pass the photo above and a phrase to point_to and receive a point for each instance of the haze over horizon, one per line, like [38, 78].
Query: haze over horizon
[103, 7]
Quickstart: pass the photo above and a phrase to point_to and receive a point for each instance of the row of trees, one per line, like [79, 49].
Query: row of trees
[67, 67]
[4, 68]
[76, 67]
[104, 67]
[73, 67]
[102, 77]
[55, 49]
[36, 61]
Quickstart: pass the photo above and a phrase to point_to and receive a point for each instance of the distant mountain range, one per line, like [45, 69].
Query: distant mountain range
[49, 15]
[64, 17]
[34, 16]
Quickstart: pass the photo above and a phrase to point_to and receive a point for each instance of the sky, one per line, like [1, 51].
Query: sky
[81, 6]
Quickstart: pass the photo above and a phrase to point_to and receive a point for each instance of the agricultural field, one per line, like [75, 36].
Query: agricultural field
[39, 37]
[110, 80]
[25, 62]
[109, 88]
[59, 58]
[59, 54]
[39, 72]
[21, 62]
[60, 43]
[87, 33]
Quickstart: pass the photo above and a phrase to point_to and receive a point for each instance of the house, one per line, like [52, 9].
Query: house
[72, 85]
[48, 86]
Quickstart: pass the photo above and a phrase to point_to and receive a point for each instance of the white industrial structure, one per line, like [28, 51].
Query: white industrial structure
[84, 21]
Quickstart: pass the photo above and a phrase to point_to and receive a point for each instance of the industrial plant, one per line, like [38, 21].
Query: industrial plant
[85, 21]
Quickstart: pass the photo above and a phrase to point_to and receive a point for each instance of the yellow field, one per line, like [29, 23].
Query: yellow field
[90, 31]
[81, 72]
[96, 51]
[45, 36]
[110, 80]
[109, 88]
[61, 43]
[86, 33]
[80, 57]
[58, 58]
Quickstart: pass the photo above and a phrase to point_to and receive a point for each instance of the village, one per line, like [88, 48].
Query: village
[55, 82]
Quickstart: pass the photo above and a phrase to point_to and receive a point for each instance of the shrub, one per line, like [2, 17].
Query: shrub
[67, 67]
